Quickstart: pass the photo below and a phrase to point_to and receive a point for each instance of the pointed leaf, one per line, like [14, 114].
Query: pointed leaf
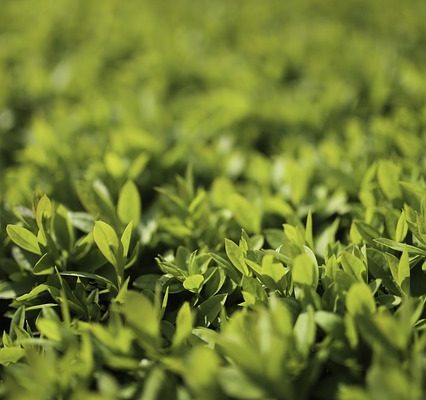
[23, 238]
[129, 204]
[107, 241]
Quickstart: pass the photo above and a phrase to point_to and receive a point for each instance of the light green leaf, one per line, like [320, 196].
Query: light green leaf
[245, 213]
[129, 204]
[141, 313]
[305, 271]
[43, 211]
[404, 273]
[236, 385]
[34, 293]
[23, 238]
[305, 330]
[401, 227]
[236, 256]
[388, 178]
[107, 241]
[10, 355]
[354, 266]
[401, 246]
[44, 266]
[49, 328]
[309, 237]
[193, 283]
[184, 322]
[274, 270]
[89, 275]
[126, 237]
[359, 300]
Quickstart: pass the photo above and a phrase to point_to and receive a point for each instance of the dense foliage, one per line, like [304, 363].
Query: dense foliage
[213, 199]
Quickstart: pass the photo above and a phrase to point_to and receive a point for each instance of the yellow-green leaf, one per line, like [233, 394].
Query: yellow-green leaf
[388, 178]
[404, 273]
[193, 282]
[107, 241]
[401, 228]
[304, 271]
[184, 322]
[129, 204]
[236, 256]
[11, 354]
[23, 238]
[360, 300]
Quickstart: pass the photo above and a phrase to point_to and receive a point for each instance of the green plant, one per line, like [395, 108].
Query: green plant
[211, 200]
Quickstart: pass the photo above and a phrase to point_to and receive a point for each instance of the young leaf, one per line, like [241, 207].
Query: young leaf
[193, 283]
[309, 237]
[404, 273]
[184, 322]
[107, 241]
[236, 256]
[401, 227]
[129, 204]
[44, 265]
[359, 300]
[126, 237]
[140, 313]
[10, 355]
[245, 212]
[304, 330]
[304, 271]
[388, 177]
[23, 238]
[354, 266]
[49, 328]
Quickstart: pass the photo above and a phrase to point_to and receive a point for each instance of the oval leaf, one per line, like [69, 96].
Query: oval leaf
[23, 238]
[107, 241]
[129, 204]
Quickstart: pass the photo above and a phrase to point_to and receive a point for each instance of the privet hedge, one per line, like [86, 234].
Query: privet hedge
[212, 200]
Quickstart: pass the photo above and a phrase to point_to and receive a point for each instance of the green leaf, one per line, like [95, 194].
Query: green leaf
[49, 328]
[305, 271]
[23, 238]
[63, 228]
[201, 368]
[236, 256]
[43, 212]
[246, 213]
[401, 227]
[184, 322]
[126, 238]
[305, 330]
[107, 241]
[404, 273]
[359, 300]
[236, 385]
[330, 323]
[354, 266]
[193, 283]
[141, 314]
[88, 275]
[388, 177]
[210, 309]
[34, 293]
[44, 266]
[129, 204]
[401, 246]
[309, 237]
[274, 270]
[10, 355]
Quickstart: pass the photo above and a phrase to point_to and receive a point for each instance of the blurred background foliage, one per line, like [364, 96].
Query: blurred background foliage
[234, 88]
